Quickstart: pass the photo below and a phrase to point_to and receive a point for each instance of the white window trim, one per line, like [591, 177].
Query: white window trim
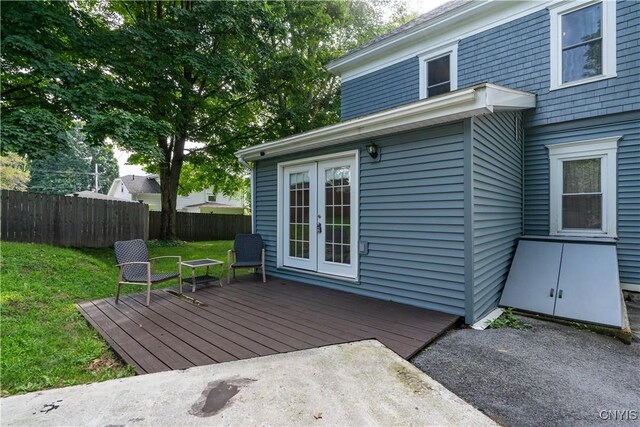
[280, 225]
[608, 41]
[424, 57]
[604, 148]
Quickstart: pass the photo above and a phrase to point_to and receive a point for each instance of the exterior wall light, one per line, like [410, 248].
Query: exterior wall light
[372, 149]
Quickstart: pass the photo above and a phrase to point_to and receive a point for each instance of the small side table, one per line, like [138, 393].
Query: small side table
[205, 278]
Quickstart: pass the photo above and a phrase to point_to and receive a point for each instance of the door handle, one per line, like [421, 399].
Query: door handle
[551, 292]
[319, 228]
[560, 294]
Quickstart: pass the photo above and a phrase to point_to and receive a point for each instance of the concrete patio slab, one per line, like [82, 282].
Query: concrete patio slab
[360, 383]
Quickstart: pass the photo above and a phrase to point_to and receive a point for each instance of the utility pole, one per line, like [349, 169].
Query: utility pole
[95, 175]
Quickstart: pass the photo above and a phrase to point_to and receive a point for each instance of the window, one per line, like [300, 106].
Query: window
[583, 188]
[211, 197]
[438, 71]
[583, 41]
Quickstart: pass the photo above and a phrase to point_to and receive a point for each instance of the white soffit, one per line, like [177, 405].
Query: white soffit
[457, 105]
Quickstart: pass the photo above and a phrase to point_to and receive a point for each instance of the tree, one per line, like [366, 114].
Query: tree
[72, 169]
[14, 174]
[154, 75]
[44, 74]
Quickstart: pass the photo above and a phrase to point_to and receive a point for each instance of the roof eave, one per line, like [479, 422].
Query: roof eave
[463, 103]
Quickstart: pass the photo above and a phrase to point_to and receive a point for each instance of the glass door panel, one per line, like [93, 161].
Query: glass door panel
[300, 218]
[335, 235]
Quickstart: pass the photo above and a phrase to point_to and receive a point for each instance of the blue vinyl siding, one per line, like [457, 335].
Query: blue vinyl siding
[380, 90]
[516, 55]
[411, 214]
[497, 205]
[536, 218]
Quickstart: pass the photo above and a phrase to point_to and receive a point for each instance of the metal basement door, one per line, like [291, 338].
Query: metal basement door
[572, 280]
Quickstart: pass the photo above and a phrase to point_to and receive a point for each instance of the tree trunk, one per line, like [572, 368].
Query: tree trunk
[169, 179]
[168, 198]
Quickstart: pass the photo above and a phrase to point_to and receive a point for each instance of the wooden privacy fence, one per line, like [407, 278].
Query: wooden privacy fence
[198, 226]
[70, 221]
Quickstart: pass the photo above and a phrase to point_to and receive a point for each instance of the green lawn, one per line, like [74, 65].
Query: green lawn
[45, 342]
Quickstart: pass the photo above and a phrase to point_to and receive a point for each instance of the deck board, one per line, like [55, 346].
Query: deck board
[249, 319]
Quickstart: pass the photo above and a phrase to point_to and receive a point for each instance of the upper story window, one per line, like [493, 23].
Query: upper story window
[438, 71]
[211, 197]
[583, 188]
[583, 42]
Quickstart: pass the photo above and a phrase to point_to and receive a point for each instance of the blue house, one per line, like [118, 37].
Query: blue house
[462, 130]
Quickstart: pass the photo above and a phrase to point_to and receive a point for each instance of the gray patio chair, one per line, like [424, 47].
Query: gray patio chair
[248, 252]
[136, 268]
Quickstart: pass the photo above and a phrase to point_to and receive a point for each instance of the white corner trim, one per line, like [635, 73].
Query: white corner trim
[483, 323]
[603, 148]
[463, 103]
[423, 58]
[609, 57]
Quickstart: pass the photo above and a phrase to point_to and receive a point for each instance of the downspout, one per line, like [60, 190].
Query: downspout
[252, 180]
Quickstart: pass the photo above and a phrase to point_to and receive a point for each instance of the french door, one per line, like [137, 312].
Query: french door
[319, 217]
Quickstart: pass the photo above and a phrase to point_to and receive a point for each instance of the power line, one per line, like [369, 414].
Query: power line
[63, 172]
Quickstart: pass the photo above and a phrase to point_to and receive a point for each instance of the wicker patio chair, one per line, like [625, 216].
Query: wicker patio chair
[248, 252]
[136, 268]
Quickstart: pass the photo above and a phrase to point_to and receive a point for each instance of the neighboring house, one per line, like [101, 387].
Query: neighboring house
[463, 130]
[146, 189]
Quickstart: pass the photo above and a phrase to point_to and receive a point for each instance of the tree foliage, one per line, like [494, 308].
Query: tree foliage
[71, 170]
[46, 75]
[14, 174]
[182, 85]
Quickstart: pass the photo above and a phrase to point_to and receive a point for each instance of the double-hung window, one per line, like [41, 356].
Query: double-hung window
[438, 71]
[583, 188]
[583, 42]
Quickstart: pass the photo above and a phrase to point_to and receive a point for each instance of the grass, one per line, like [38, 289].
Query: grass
[45, 342]
[508, 320]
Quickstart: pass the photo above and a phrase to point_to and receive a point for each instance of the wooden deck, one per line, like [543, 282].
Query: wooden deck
[249, 319]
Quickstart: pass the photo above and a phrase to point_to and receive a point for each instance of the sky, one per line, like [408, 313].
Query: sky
[418, 6]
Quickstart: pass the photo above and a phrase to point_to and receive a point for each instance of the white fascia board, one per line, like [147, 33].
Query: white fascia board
[476, 17]
[463, 103]
[503, 98]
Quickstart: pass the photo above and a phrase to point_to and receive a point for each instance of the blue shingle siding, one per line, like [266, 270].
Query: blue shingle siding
[536, 218]
[411, 213]
[516, 55]
[497, 205]
[380, 90]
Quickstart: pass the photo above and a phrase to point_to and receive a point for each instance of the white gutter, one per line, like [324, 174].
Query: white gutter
[463, 103]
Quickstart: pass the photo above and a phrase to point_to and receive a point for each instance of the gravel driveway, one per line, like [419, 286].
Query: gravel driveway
[548, 375]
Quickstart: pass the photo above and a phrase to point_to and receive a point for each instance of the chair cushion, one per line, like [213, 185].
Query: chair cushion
[247, 264]
[155, 277]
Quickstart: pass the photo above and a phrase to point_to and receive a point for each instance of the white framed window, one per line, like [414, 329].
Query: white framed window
[438, 71]
[211, 197]
[583, 42]
[583, 188]
[318, 215]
